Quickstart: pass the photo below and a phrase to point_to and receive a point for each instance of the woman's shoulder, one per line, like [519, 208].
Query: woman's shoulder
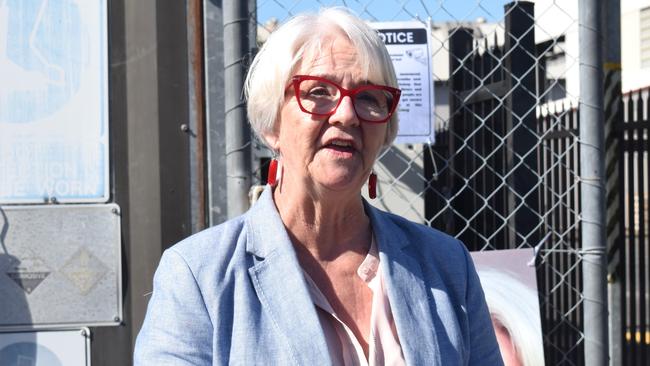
[419, 234]
[430, 247]
[214, 247]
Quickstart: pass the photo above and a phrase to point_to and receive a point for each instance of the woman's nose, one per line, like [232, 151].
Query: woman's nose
[345, 113]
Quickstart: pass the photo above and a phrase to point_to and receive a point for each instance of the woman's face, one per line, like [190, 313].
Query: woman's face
[334, 153]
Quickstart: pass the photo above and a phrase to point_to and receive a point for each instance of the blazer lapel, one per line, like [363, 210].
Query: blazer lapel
[280, 285]
[410, 300]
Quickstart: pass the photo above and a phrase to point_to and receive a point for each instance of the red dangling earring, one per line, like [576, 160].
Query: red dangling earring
[271, 179]
[372, 186]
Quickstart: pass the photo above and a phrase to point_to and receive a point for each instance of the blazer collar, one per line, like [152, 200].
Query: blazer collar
[264, 224]
[280, 284]
[410, 299]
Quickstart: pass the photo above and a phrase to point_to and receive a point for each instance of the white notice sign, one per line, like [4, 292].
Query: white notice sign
[46, 348]
[53, 101]
[409, 47]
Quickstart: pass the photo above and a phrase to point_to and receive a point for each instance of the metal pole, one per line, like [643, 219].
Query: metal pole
[195, 128]
[613, 118]
[215, 124]
[592, 169]
[238, 155]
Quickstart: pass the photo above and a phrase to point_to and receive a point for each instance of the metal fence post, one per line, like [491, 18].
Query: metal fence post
[238, 144]
[615, 223]
[460, 47]
[592, 184]
[523, 198]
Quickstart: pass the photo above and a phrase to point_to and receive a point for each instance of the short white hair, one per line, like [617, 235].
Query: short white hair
[282, 52]
[515, 306]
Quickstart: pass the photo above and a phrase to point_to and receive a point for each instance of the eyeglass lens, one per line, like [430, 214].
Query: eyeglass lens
[322, 97]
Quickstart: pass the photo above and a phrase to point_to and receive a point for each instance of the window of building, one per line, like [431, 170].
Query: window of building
[645, 37]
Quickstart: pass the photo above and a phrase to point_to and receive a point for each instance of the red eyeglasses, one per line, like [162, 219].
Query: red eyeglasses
[321, 97]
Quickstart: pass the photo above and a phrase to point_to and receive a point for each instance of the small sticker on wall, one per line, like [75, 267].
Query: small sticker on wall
[28, 273]
[84, 270]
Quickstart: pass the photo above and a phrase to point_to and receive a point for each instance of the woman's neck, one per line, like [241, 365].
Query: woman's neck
[326, 224]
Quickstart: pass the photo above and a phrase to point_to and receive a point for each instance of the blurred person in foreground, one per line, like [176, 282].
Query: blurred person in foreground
[313, 274]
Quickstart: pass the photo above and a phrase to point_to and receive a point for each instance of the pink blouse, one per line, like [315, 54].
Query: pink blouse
[344, 348]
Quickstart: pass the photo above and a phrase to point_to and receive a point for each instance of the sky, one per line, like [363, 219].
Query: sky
[387, 10]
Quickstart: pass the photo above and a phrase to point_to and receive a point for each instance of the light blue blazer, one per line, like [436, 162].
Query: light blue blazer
[235, 294]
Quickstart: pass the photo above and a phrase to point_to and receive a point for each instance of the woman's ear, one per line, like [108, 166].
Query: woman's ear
[272, 140]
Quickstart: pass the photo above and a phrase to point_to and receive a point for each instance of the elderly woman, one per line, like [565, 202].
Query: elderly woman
[312, 274]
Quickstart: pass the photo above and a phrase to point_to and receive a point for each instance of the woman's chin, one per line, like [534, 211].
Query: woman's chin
[340, 184]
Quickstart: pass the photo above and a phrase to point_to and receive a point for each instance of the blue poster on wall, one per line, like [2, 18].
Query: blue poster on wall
[53, 101]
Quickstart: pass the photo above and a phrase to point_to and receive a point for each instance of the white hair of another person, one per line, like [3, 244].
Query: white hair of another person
[280, 56]
[515, 306]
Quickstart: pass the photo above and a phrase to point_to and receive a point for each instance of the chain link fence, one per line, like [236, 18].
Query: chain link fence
[504, 170]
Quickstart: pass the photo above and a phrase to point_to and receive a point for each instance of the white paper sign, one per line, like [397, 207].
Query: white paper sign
[408, 44]
[46, 348]
[53, 101]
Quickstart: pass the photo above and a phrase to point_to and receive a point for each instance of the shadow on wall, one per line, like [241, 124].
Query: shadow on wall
[15, 286]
